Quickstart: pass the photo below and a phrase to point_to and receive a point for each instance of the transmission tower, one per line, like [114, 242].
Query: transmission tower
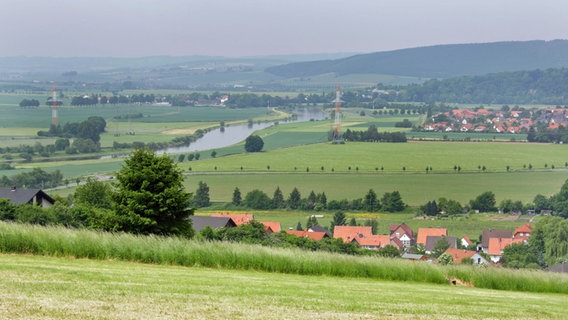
[54, 106]
[337, 124]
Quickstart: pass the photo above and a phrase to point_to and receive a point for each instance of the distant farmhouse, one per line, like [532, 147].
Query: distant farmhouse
[27, 196]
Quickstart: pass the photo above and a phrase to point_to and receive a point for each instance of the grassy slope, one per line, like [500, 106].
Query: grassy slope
[46, 287]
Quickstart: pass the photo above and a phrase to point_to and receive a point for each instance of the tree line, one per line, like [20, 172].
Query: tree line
[485, 202]
[86, 133]
[259, 200]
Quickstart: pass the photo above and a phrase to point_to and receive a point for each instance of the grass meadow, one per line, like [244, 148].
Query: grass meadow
[61, 273]
[58, 287]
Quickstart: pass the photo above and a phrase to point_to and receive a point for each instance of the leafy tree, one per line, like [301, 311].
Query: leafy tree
[339, 219]
[519, 255]
[93, 193]
[254, 143]
[278, 199]
[392, 202]
[150, 197]
[201, 198]
[213, 154]
[371, 203]
[440, 247]
[373, 223]
[445, 259]
[181, 157]
[61, 144]
[430, 208]
[294, 199]
[237, 197]
[389, 251]
[299, 226]
[312, 221]
[485, 202]
[352, 222]
[256, 199]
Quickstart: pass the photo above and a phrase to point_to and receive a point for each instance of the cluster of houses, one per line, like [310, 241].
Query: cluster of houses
[483, 120]
[401, 236]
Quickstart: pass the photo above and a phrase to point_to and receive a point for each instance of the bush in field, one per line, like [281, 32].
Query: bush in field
[254, 143]
[257, 199]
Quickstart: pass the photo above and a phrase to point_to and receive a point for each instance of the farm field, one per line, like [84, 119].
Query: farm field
[415, 189]
[49, 287]
[396, 157]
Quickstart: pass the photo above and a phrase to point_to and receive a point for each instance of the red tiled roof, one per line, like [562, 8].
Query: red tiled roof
[270, 226]
[373, 241]
[460, 254]
[405, 228]
[525, 228]
[348, 233]
[496, 245]
[424, 233]
[307, 234]
[467, 240]
[238, 218]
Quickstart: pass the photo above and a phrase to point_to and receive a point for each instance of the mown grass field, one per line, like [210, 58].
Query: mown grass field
[56, 288]
[46, 274]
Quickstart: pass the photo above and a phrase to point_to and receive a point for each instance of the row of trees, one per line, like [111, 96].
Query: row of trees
[485, 202]
[86, 133]
[373, 135]
[258, 199]
[37, 178]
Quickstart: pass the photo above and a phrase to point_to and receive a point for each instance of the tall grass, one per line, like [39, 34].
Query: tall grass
[57, 241]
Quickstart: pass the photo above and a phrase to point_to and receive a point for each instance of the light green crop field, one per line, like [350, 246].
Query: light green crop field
[56, 288]
[396, 157]
[415, 189]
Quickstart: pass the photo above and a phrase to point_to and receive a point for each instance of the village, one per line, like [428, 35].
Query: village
[518, 120]
[416, 246]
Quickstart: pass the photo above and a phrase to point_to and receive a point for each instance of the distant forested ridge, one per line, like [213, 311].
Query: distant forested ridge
[521, 87]
[441, 61]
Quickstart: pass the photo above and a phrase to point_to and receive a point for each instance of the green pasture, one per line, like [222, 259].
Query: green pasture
[15, 117]
[415, 189]
[54, 287]
[412, 157]
[466, 135]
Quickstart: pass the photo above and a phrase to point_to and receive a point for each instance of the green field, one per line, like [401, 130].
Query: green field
[52, 288]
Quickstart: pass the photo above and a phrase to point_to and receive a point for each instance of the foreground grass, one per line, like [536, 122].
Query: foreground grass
[57, 288]
[15, 238]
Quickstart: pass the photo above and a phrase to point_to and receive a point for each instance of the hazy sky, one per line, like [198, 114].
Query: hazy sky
[124, 28]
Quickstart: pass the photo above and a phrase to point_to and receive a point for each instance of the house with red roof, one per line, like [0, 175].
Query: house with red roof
[465, 242]
[459, 254]
[492, 233]
[348, 233]
[403, 233]
[314, 235]
[424, 233]
[372, 242]
[238, 219]
[523, 233]
[271, 227]
[497, 245]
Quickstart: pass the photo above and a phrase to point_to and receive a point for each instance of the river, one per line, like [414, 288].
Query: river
[229, 135]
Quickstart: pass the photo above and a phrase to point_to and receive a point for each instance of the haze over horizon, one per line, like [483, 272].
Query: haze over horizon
[138, 28]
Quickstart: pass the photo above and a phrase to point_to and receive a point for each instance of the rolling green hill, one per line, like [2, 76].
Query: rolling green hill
[441, 61]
